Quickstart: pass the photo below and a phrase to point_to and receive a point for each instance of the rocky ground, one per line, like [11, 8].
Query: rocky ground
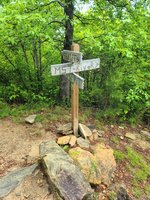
[19, 147]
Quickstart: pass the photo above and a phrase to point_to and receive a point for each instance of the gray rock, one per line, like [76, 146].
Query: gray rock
[83, 143]
[65, 179]
[122, 194]
[130, 136]
[143, 144]
[84, 131]
[13, 179]
[65, 129]
[145, 134]
[30, 119]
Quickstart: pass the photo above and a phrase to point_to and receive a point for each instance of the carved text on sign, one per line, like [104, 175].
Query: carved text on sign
[72, 56]
[68, 68]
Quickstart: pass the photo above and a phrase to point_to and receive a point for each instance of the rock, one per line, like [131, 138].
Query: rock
[30, 119]
[101, 133]
[106, 161]
[121, 127]
[91, 126]
[26, 194]
[88, 164]
[130, 136]
[91, 138]
[73, 140]
[145, 134]
[84, 131]
[65, 129]
[122, 194]
[83, 143]
[121, 137]
[94, 136]
[63, 140]
[143, 144]
[14, 178]
[65, 179]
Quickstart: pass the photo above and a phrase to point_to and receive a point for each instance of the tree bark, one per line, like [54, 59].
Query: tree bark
[64, 83]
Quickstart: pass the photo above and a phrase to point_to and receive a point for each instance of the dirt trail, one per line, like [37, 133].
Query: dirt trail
[19, 144]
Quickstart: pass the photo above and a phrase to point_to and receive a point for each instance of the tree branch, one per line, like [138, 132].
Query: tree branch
[56, 21]
[48, 4]
[119, 5]
[80, 19]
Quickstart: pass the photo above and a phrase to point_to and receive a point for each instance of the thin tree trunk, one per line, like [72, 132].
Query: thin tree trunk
[69, 10]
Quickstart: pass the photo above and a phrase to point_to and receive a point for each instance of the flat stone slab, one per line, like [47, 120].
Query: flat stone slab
[65, 129]
[84, 131]
[65, 179]
[83, 143]
[130, 136]
[14, 178]
[73, 140]
[63, 140]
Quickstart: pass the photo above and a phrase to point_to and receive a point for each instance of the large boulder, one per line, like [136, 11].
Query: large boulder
[88, 164]
[65, 179]
[106, 161]
[97, 167]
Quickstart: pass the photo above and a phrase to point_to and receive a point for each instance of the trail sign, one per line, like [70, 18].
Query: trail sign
[68, 68]
[75, 64]
[72, 56]
[75, 78]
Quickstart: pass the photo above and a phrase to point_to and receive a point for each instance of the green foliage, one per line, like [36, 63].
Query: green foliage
[119, 156]
[138, 167]
[66, 147]
[112, 195]
[32, 36]
[4, 110]
[115, 139]
[136, 160]
[137, 192]
[147, 189]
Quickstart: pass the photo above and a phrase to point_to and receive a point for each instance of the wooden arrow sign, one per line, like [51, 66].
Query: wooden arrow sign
[72, 56]
[75, 78]
[68, 68]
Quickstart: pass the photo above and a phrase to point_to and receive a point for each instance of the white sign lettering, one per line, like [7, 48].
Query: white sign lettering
[72, 56]
[68, 68]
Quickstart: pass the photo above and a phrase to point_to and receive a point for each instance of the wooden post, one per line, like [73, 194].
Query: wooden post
[75, 98]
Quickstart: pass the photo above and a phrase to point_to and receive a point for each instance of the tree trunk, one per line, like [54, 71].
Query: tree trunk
[69, 10]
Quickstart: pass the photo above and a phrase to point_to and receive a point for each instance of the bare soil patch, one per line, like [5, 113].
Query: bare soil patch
[19, 144]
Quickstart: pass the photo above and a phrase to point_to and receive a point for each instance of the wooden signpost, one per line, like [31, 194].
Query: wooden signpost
[75, 65]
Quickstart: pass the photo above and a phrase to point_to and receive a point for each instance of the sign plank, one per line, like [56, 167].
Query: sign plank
[68, 68]
[75, 78]
[72, 56]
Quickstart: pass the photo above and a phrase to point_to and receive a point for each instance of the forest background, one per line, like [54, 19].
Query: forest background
[34, 32]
